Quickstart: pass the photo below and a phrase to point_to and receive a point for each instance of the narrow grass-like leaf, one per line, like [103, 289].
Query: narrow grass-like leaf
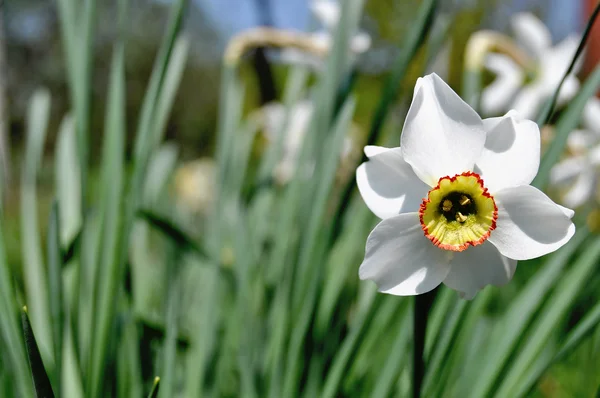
[412, 42]
[145, 141]
[462, 352]
[386, 311]
[306, 277]
[445, 300]
[172, 78]
[129, 374]
[71, 383]
[348, 347]
[155, 388]
[41, 381]
[160, 169]
[167, 227]
[471, 87]
[36, 280]
[519, 314]
[346, 251]
[68, 252]
[551, 316]
[572, 341]
[14, 355]
[546, 114]
[327, 169]
[77, 28]
[567, 123]
[173, 309]
[108, 268]
[396, 359]
[56, 292]
[85, 288]
[445, 340]
[68, 182]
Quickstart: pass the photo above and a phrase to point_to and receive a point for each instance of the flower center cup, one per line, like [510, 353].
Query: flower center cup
[459, 212]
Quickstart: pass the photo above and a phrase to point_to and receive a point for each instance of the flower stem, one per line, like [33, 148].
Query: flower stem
[423, 303]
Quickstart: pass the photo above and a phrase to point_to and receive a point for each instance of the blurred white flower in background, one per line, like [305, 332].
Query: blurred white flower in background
[578, 173]
[496, 97]
[294, 130]
[195, 185]
[327, 12]
[455, 199]
[551, 62]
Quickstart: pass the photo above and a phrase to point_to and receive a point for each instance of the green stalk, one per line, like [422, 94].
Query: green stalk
[423, 304]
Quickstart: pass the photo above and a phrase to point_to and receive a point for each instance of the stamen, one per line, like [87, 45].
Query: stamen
[460, 217]
[464, 200]
[447, 205]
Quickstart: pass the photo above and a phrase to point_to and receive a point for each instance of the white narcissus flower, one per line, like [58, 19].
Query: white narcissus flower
[496, 97]
[196, 184]
[455, 199]
[579, 172]
[551, 61]
[294, 130]
[327, 13]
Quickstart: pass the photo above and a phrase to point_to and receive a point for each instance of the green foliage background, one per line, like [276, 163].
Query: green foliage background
[260, 296]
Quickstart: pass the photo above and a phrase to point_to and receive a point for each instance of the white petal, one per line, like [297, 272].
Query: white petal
[562, 54]
[293, 56]
[477, 267]
[327, 11]
[568, 90]
[273, 118]
[442, 135]
[388, 184]
[528, 101]
[531, 33]
[401, 260]
[593, 156]
[529, 224]
[322, 39]
[372, 150]
[511, 155]
[582, 190]
[566, 170]
[496, 96]
[580, 141]
[568, 212]
[554, 63]
[591, 115]
[360, 43]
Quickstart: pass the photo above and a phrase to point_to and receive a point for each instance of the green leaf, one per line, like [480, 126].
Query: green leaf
[412, 42]
[550, 317]
[41, 382]
[546, 113]
[106, 267]
[173, 310]
[14, 355]
[155, 388]
[36, 280]
[520, 313]
[68, 181]
[567, 123]
[56, 291]
[167, 227]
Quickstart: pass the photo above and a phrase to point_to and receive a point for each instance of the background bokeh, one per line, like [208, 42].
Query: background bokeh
[35, 57]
